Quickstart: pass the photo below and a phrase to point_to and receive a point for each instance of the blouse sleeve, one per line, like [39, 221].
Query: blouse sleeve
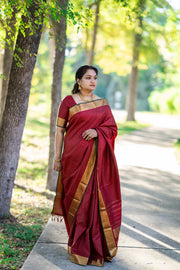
[63, 113]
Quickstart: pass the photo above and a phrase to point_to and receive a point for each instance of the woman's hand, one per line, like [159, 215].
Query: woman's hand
[89, 134]
[57, 166]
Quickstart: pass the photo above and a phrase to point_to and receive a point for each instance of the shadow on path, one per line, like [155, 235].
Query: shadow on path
[154, 136]
[150, 191]
[152, 239]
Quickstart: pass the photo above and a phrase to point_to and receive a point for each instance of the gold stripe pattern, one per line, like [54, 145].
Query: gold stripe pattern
[82, 186]
[97, 262]
[84, 260]
[86, 106]
[60, 122]
[110, 241]
[77, 258]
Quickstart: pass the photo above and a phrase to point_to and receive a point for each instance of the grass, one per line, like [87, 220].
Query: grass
[126, 127]
[177, 150]
[31, 202]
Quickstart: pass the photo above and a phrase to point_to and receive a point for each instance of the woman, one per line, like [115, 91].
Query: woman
[88, 190]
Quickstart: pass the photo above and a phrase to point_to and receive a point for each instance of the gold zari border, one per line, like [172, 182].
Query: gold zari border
[83, 260]
[60, 122]
[96, 262]
[77, 258]
[82, 186]
[110, 241]
[86, 106]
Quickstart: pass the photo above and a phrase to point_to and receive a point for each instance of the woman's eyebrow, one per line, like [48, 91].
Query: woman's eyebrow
[91, 75]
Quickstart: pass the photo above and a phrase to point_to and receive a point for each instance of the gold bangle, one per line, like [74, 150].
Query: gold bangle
[57, 160]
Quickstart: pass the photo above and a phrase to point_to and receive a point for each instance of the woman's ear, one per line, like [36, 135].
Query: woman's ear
[78, 81]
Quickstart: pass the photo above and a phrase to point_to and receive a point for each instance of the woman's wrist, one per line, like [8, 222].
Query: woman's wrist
[57, 159]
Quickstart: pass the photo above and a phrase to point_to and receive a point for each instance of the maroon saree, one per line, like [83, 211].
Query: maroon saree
[88, 189]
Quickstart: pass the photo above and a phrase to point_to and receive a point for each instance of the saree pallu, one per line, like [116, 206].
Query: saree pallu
[88, 189]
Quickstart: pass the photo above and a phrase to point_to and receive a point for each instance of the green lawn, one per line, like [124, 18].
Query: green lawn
[130, 126]
[31, 202]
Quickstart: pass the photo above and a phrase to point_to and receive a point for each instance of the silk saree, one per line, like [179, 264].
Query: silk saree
[88, 189]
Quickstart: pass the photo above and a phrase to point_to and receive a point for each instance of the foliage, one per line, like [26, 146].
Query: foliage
[166, 101]
[49, 10]
[113, 52]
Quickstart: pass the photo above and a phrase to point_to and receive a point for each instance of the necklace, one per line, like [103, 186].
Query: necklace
[81, 96]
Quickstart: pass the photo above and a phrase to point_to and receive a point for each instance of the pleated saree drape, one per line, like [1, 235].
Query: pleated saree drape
[88, 189]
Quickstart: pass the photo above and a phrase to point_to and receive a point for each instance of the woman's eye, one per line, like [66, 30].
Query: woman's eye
[88, 78]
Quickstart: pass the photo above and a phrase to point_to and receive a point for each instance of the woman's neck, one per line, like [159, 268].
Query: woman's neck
[85, 93]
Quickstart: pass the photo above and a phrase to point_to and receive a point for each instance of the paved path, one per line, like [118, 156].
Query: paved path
[150, 234]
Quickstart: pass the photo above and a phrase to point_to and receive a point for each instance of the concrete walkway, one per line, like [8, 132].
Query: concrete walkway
[150, 234]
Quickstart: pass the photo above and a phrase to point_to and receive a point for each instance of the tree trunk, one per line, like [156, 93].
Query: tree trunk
[7, 61]
[60, 41]
[52, 48]
[90, 54]
[113, 82]
[15, 111]
[133, 79]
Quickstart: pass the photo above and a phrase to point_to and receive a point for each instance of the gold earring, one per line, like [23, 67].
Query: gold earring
[79, 88]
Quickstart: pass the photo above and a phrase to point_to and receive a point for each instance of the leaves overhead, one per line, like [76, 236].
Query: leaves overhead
[49, 9]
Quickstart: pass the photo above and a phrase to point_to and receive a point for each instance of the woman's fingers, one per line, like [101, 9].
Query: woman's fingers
[89, 134]
[57, 166]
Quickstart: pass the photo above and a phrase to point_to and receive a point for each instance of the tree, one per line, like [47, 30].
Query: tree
[133, 80]
[7, 57]
[90, 52]
[14, 115]
[59, 34]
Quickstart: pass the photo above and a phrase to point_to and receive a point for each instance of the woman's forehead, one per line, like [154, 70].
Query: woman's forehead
[90, 72]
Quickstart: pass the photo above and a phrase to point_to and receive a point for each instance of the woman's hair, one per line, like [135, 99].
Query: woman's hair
[79, 74]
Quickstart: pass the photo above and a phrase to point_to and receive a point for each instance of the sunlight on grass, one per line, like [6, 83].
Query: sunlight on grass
[130, 126]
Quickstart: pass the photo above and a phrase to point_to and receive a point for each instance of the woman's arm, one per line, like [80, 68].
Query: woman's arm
[58, 148]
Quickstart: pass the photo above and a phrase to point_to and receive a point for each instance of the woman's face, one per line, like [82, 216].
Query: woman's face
[88, 81]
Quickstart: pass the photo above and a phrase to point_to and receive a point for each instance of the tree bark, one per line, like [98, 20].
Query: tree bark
[111, 89]
[133, 79]
[7, 61]
[52, 49]
[60, 41]
[15, 111]
[90, 54]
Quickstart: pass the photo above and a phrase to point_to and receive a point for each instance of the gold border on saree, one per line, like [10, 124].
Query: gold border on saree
[84, 260]
[60, 122]
[108, 232]
[86, 106]
[82, 186]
